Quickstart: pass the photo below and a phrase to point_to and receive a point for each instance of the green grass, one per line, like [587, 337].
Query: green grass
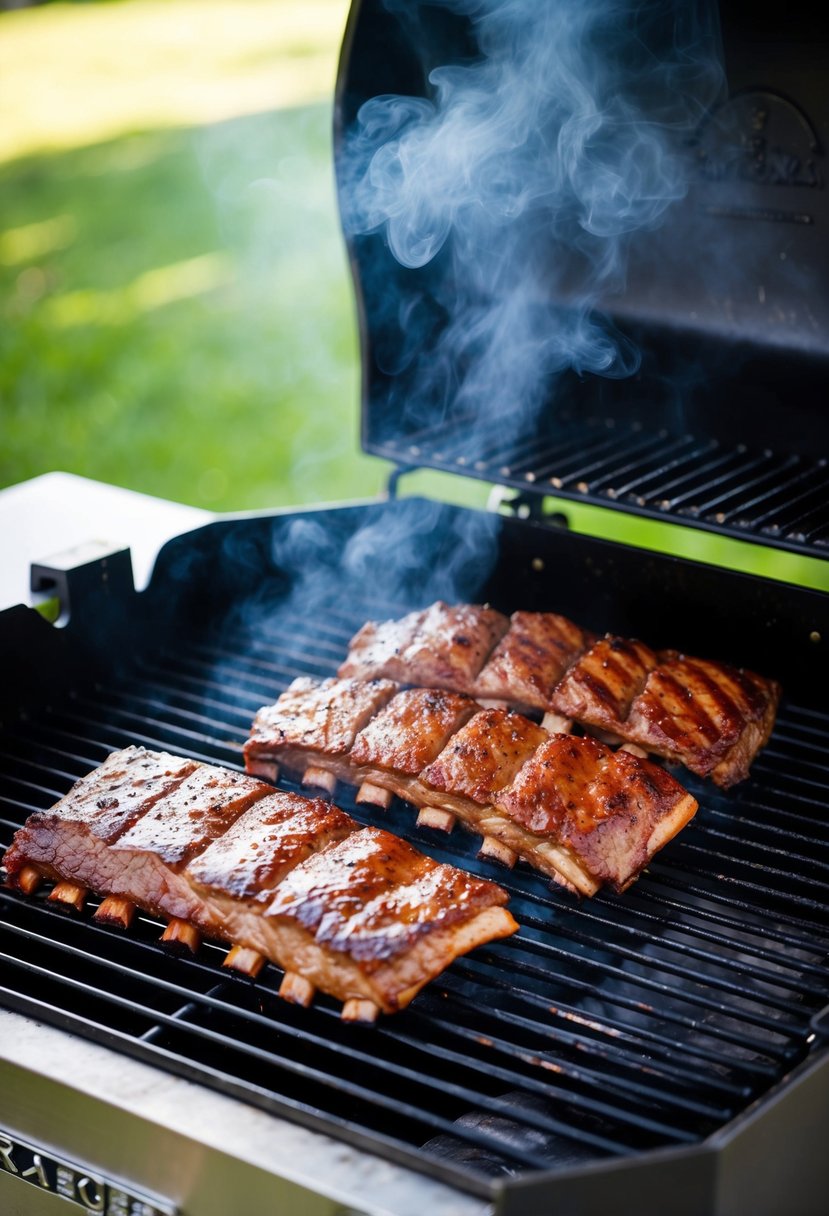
[176, 315]
[176, 310]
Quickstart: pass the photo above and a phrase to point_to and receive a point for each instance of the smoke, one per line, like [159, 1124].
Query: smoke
[519, 180]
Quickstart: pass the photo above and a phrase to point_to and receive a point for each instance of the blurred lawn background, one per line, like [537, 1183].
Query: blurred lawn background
[175, 309]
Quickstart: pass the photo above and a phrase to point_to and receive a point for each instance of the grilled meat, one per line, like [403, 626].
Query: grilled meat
[706, 715]
[372, 918]
[352, 911]
[314, 717]
[600, 687]
[441, 647]
[607, 811]
[144, 861]
[530, 659]
[407, 735]
[712, 718]
[98, 809]
[606, 814]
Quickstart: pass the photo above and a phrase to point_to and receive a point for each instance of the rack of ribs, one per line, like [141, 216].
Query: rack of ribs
[570, 806]
[354, 912]
[709, 716]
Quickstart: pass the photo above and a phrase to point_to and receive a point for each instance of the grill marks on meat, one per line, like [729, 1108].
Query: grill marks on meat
[601, 686]
[97, 810]
[352, 911]
[387, 912]
[706, 715]
[530, 659]
[710, 717]
[315, 716]
[569, 806]
[484, 756]
[607, 810]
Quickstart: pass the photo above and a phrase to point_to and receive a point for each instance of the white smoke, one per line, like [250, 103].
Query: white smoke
[521, 177]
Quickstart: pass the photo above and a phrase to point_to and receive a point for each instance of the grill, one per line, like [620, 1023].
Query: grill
[623, 1029]
[666, 1046]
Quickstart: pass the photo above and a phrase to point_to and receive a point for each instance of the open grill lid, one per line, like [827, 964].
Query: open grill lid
[714, 317]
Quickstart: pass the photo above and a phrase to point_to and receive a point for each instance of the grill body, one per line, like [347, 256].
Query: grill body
[617, 1051]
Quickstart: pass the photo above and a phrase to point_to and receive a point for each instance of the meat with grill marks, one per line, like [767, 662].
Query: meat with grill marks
[712, 718]
[530, 659]
[351, 911]
[454, 760]
[600, 687]
[707, 715]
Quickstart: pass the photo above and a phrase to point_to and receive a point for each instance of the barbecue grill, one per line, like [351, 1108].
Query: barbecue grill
[661, 1048]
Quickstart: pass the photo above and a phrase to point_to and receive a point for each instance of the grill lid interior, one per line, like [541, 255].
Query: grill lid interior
[711, 412]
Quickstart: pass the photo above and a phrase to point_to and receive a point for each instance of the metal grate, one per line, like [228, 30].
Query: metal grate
[751, 494]
[605, 1028]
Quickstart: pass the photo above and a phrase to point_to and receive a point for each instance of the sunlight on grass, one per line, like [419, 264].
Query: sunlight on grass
[18, 245]
[154, 289]
[72, 75]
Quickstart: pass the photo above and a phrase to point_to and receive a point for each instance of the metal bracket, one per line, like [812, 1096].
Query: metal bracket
[525, 506]
[394, 479]
[95, 570]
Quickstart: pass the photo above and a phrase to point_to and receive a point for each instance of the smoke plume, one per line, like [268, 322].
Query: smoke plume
[520, 177]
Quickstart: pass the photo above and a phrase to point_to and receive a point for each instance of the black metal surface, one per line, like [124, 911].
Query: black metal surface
[724, 427]
[606, 1029]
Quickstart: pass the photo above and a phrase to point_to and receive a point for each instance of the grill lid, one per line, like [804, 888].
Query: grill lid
[590, 253]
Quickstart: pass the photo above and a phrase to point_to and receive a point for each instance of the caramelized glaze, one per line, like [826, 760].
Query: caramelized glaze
[484, 756]
[531, 658]
[373, 896]
[268, 840]
[412, 730]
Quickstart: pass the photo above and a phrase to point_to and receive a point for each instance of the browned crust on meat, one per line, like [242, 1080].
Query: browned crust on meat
[708, 716]
[610, 810]
[484, 756]
[412, 730]
[271, 837]
[531, 658]
[373, 896]
[601, 686]
[444, 646]
[317, 715]
[192, 815]
[103, 804]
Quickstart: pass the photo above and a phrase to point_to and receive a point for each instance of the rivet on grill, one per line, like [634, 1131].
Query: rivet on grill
[415, 450]
[505, 470]
[720, 517]
[814, 636]
[461, 460]
[529, 476]
[582, 487]
[610, 492]
[538, 565]
[557, 482]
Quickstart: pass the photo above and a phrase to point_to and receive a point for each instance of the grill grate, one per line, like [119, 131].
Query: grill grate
[603, 1029]
[755, 495]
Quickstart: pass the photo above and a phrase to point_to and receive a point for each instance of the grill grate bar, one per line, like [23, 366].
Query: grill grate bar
[371, 1061]
[653, 470]
[635, 1005]
[707, 979]
[601, 1047]
[581, 472]
[749, 473]
[696, 476]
